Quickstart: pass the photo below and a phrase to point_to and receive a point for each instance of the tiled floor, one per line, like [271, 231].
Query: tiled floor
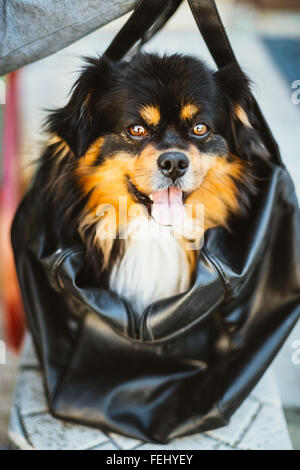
[259, 423]
[45, 84]
[7, 382]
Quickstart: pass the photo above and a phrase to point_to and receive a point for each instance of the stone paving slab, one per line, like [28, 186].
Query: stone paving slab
[266, 431]
[29, 393]
[259, 423]
[28, 358]
[16, 432]
[194, 442]
[108, 445]
[240, 421]
[265, 391]
[225, 447]
[48, 433]
[124, 443]
[7, 384]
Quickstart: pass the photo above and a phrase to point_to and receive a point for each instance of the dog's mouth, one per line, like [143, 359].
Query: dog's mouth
[166, 206]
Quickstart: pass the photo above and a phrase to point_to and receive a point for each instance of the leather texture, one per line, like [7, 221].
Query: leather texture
[186, 363]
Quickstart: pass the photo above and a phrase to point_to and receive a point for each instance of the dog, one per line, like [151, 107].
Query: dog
[140, 146]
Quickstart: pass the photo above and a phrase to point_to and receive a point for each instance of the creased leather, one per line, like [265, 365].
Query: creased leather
[184, 364]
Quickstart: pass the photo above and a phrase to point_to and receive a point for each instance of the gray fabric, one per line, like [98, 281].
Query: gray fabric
[32, 29]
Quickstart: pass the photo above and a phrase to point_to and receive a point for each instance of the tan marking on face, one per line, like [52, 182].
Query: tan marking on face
[213, 187]
[200, 163]
[242, 115]
[93, 151]
[188, 111]
[106, 183]
[109, 201]
[144, 169]
[218, 191]
[151, 115]
[218, 194]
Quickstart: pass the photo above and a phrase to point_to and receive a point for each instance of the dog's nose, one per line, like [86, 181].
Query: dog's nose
[173, 164]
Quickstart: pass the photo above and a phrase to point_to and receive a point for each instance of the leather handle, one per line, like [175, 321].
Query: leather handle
[209, 22]
[147, 14]
[155, 13]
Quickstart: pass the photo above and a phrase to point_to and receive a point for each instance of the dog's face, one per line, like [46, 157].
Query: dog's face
[162, 132]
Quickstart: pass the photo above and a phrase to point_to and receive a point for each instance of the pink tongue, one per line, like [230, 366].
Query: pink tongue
[167, 207]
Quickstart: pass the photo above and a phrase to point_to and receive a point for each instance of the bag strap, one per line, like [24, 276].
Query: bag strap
[169, 10]
[208, 20]
[148, 18]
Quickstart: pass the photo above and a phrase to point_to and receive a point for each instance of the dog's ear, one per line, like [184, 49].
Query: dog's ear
[79, 123]
[245, 138]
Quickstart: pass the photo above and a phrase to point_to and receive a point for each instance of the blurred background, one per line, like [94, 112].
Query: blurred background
[265, 35]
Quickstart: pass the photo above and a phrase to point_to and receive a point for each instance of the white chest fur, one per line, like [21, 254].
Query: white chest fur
[154, 266]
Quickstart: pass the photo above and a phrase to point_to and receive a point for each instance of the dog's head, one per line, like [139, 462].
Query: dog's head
[162, 131]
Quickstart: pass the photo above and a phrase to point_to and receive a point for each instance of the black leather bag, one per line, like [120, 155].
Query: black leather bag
[187, 363]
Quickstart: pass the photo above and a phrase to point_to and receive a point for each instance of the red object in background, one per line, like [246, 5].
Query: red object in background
[10, 194]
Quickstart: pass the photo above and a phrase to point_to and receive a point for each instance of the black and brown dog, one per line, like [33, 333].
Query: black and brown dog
[138, 148]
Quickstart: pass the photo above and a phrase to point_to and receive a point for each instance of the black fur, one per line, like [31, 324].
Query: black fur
[106, 99]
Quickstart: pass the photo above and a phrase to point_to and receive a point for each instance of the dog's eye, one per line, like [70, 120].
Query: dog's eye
[201, 130]
[137, 131]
